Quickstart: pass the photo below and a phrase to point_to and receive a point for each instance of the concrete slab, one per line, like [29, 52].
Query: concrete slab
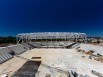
[64, 59]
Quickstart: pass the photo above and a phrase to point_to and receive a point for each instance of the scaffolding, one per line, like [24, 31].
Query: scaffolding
[49, 36]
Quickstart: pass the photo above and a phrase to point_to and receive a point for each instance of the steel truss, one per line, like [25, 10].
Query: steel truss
[65, 36]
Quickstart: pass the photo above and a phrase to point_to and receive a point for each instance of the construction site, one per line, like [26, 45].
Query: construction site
[51, 54]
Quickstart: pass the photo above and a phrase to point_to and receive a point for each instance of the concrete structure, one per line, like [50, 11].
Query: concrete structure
[52, 61]
[33, 59]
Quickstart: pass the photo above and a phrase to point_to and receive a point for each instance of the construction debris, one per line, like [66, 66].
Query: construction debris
[97, 74]
[90, 52]
[4, 75]
[47, 75]
[99, 58]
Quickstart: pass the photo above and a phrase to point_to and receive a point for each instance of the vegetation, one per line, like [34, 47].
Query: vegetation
[8, 39]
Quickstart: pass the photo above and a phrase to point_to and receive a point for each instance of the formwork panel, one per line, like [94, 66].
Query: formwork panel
[28, 69]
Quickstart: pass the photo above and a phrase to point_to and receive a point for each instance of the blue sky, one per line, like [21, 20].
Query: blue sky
[22, 16]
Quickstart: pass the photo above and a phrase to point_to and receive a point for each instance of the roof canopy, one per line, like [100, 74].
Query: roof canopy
[51, 35]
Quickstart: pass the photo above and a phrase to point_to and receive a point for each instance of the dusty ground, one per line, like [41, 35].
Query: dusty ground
[65, 59]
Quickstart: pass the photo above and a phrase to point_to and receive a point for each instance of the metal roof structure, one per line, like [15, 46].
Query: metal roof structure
[27, 37]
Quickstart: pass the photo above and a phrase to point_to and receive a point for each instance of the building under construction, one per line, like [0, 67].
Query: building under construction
[51, 54]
